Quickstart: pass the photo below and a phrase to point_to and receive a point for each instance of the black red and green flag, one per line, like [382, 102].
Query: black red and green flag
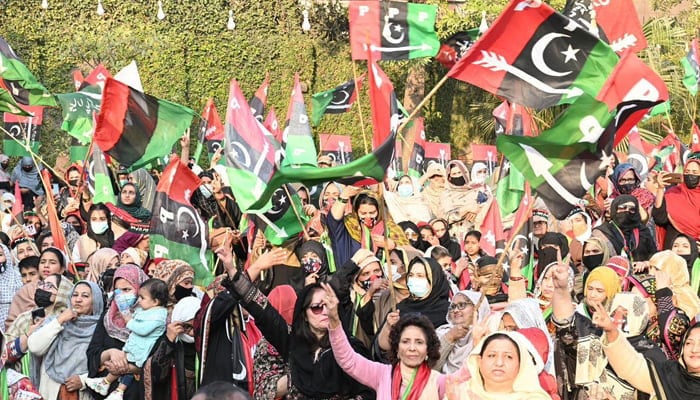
[98, 178]
[337, 147]
[392, 30]
[177, 232]
[521, 235]
[259, 100]
[21, 84]
[135, 128]
[272, 125]
[25, 131]
[536, 57]
[280, 222]
[335, 101]
[299, 147]
[383, 101]
[691, 66]
[9, 105]
[455, 47]
[637, 152]
[211, 131]
[514, 119]
[415, 163]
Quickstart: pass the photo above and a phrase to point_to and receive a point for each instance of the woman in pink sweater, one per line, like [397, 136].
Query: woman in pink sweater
[415, 348]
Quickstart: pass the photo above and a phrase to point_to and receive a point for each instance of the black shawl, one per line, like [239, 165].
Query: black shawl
[435, 305]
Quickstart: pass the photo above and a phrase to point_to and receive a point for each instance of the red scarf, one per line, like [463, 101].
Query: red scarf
[421, 379]
[683, 208]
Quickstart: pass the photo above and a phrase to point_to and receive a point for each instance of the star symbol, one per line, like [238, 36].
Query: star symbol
[283, 200]
[185, 234]
[491, 238]
[188, 192]
[570, 54]
[524, 250]
[397, 28]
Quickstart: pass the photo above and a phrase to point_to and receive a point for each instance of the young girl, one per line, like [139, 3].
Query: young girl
[146, 326]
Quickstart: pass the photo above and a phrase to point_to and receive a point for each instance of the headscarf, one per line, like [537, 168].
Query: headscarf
[683, 207]
[126, 240]
[137, 255]
[598, 242]
[384, 225]
[436, 303]
[539, 347]
[644, 196]
[114, 322]
[28, 179]
[184, 271]
[165, 268]
[527, 314]
[671, 379]
[691, 261]
[610, 280]
[476, 167]
[547, 255]
[98, 261]
[317, 248]
[462, 347]
[60, 360]
[538, 285]
[283, 298]
[136, 209]
[145, 186]
[419, 243]
[675, 266]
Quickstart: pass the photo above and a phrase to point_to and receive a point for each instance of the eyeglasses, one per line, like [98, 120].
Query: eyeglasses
[47, 285]
[317, 309]
[459, 306]
[627, 180]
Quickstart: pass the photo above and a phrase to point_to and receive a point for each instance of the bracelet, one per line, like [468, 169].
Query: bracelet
[342, 200]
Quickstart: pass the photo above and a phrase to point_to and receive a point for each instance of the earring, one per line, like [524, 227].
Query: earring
[426, 358]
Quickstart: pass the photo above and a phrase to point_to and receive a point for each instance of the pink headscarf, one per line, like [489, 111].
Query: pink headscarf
[114, 322]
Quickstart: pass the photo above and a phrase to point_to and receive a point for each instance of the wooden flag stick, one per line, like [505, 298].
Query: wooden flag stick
[514, 230]
[34, 155]
[359, 107]
[296, 212]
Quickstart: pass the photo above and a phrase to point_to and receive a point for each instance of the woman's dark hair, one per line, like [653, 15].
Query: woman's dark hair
[58, 253]
[439, 252]
[475, 234]
[431, 338]
[364, 198]
[499, 336]
[426, 227]
[302, 330]
[107, 238]
[136, 198]
[220, 390]
[42, 236]
[426, 265]
[107, 281]
[158, 290]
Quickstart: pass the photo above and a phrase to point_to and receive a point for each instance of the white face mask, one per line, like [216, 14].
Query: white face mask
[99, 227]
[395, 276]
[206, 190]
[185, 338]
[418, 286]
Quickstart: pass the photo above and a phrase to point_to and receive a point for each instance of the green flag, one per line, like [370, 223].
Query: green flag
[280, 222]
[334, 101]
[78, 110]
[691, 66]
[9, 105]
[99, 178]
[299, 147]
[509, 190]
[19, 81]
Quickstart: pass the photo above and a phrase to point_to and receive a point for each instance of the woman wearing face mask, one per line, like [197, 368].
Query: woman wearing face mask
[412, 233]
[52, 295]
[677, 209]
[99, 233]
[675, 267]
[99, 262]
[69, 196]
[405, 202]
[626, 180]
[63, 339]
[466, 201]
[625, 234]
[111, 333]
[368, 227]
[687, 248]
[129, 200]
[181, 284]
[551, 246]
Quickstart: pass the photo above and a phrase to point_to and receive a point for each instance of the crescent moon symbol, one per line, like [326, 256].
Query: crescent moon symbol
[584, 179]
[386, 32]
[185, 210]
[538, 54]
[642, 161]
[241, 153]
[345, 96]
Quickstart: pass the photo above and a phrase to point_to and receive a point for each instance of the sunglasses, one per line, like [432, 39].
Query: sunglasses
[317, 309]
[459, 306]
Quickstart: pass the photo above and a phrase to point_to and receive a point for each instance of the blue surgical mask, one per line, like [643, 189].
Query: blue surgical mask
[124, 300]
[418, 286]
[405, 190]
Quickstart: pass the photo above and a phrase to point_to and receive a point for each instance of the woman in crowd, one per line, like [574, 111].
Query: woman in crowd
[100, 261]
[111, 333]
[129, 200]
[63, 340]
[414, 350]
[687, 248]
[456, 336]
[406, 203]
[677, 209]
[145, 185]
[626, 180]
[412, 233]
[52, 261]
[429, 290]
[626, 234]
[99, 232]
[683, 296]
[10, 282]
[442, 232]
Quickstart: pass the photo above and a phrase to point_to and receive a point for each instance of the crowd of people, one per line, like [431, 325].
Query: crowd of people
[387, 294]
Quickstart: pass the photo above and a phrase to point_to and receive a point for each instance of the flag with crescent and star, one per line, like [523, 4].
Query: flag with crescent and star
[337, 147]
[616, 22]
[536, 57]
[259, 100]
[248, 151]
[20, 83]
[522, 238]
[335, 101]
[691, 66]
[299, 147]
[135, 128]
[637, 152]
[24, 128]
[177, 232]
[417, 160]
[98, 178]
[211, 130]
[455, 47]
[392, 30]
[272, 125]
[280, 222]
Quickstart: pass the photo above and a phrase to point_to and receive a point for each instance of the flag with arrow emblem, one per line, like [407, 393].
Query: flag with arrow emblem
[392, 30]
[335, 101]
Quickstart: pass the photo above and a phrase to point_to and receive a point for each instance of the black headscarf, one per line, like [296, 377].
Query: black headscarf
[435, 305]
[671, 379]
[548, 255]
[690, 258]
[419, 243]
[105, 239]
[318, 249]
[628, 232]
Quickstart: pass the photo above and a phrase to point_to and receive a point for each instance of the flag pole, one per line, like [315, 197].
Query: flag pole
[296, 212]
[29, 150]
[422, 103]
[25, 233]
[513, 230]
[385, 215]
[359, 107]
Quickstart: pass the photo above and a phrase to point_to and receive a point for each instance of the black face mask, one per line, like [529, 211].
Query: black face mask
[592, 261]
[78, 228]
[3, 267]
[691, 181]
[181, 292]
[366, 284]
[627, 219]
[73, 182]
[627, 188]
[5, 165]
[458, 181]
[688, 259]
[27, 169]
[42, 298]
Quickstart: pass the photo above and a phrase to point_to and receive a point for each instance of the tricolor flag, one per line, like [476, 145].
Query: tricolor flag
[299, 147]
[335, 101]
[536, 57]
[25, 129]
[135, 128]
[417, 161]
[392, 30]
[383, 102]
[280, 222]
[337, 147]
[272, 125]
[514, 119]
[211, 131]
[177, 232]
[691, 66]
[637, 152]
[19, 82]
[455, 47]
[436, 153]
[98, 178]
[259, 100]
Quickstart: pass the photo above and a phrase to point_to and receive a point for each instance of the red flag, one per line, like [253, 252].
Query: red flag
[381, 96]
[338, 147]
[492, 230]
[514, 119]
[485, 153]
[214, 129]
[98, 76]
[59, 238]
[273, 125]
[695, 143]
[524, 211]
[620, 24]
[259, 101]
[18, 207]
[437, 152]
[77, 79]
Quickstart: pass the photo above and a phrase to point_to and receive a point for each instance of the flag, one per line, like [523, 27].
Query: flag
[691, 66]
[436, 153]
[492, 235]
[561, 163]
[98, 76]
[130, 76]
[98, 178]
[337, 147]
[249, 153]
[510, 188]
[259, 100]
[135, 128]
[9, 105]
[78, 78]
[417, 161]
[273, 125]
[25, 129]
[636, 153]
[299, 147]
[78, 109]
[455, 47]
[211, 131]
[393, 30]
[536, 57]
[335, 101]
[280, 222]
[522, 238]
[18, 207]
[59, 237]
[514, 119]
[16, 78]
[668, 153]
[695, 139]
[485, 153]
[78, 151]
[177, 232]
[383, 101]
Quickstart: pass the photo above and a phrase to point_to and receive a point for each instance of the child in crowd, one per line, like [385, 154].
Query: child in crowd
[29, 269]
[147, 325]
